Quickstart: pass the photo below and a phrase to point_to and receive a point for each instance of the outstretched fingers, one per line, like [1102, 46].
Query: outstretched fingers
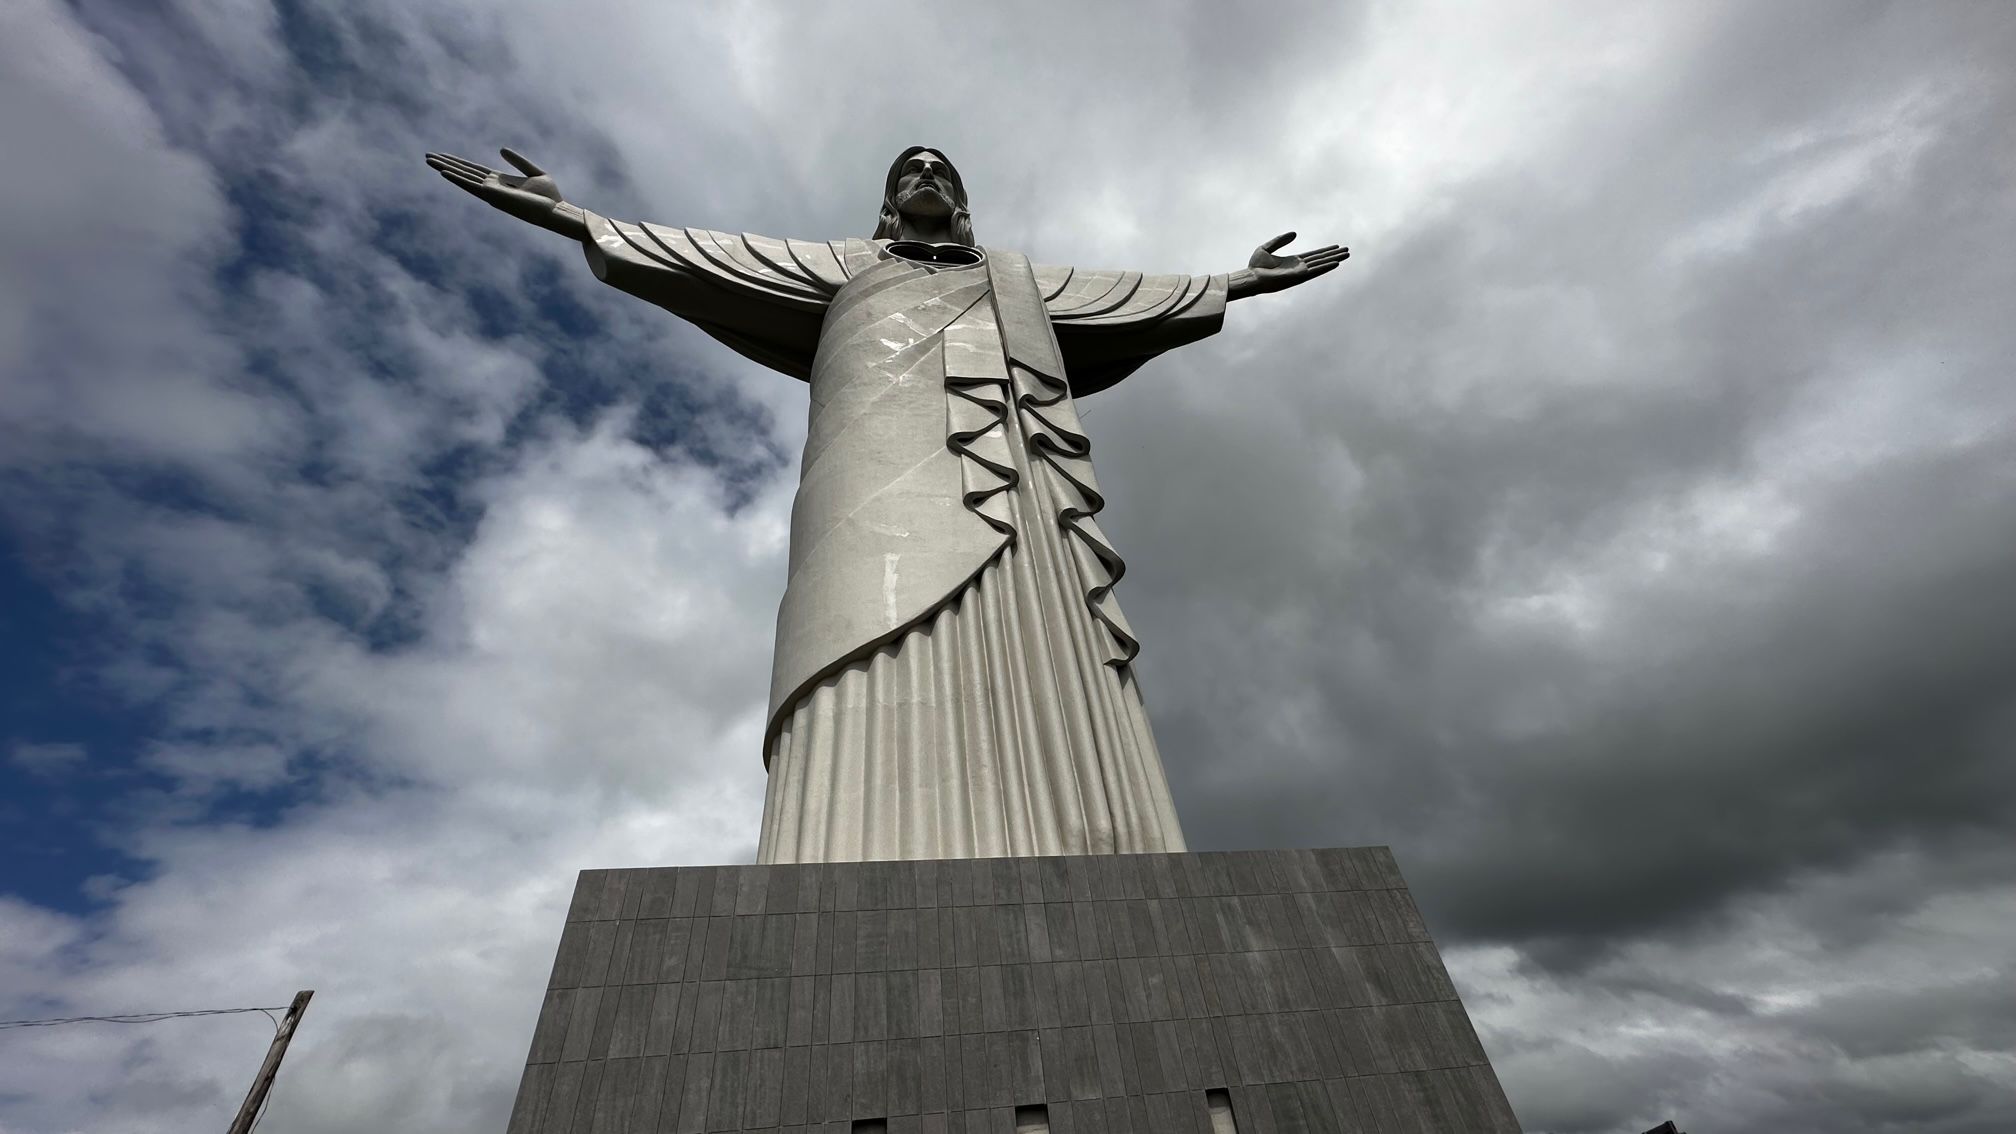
[1275, 244]
[523, 163]
[446, 163]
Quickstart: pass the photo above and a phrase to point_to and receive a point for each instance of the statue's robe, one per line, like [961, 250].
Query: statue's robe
[952, 671]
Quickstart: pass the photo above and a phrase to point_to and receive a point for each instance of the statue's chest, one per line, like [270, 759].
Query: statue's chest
[903, 323]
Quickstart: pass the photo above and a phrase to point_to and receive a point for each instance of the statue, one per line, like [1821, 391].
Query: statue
[952, 671]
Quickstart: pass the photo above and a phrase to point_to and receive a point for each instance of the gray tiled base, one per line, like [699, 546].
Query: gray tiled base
[1114, 990]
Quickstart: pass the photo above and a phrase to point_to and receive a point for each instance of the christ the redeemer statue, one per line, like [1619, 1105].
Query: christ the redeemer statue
[952, 672]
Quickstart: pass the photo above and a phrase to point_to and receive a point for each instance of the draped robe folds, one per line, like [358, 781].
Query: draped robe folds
[952, 672]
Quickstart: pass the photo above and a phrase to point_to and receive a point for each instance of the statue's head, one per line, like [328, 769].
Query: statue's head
[923, 184]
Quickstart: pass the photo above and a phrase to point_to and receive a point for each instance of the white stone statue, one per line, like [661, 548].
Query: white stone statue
[952, 672]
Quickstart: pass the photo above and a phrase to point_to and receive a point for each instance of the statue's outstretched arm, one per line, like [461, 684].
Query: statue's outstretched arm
[1267, 272]
[532, 197]
[764, 298]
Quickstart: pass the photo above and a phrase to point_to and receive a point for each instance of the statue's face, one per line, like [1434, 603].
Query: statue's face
[924, 186]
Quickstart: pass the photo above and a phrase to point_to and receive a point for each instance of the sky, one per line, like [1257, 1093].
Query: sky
[1626, 535]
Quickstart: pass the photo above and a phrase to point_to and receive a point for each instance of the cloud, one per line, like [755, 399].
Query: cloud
[47, 760]
[1620, 535]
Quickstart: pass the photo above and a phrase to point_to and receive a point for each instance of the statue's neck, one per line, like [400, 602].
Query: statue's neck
[930, 230]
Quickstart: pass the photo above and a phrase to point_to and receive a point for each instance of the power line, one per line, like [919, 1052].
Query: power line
[135, 1018]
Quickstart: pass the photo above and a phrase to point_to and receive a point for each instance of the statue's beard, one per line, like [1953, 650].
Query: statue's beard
[924, 201]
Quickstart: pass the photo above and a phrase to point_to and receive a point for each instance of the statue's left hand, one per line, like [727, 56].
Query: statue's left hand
[530, 196]
[1273, 273]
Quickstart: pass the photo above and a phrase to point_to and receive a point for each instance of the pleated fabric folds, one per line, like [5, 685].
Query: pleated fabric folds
[997, 727]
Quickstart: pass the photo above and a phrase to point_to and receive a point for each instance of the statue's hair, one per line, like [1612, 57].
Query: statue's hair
[890, 223]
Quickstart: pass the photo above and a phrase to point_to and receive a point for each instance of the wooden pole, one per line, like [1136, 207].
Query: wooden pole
[256, 1097]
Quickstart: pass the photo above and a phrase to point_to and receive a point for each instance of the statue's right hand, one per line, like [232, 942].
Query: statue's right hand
[532, 197]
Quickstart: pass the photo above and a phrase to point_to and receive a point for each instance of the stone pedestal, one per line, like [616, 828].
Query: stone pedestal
[1288, 991]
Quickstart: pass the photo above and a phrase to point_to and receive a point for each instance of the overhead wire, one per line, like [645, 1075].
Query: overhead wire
[139, 1017]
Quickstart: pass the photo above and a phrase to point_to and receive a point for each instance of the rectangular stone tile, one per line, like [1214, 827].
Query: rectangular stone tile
[1201, 1043]
[1115, 1067]
[588, 886]
[571, 957]
[871, 1006]
[531, 1101]
[1029, 880]
[615, 1095]
[780, 889]
[556, 1112]
[871, 939]
[1099, 978]
[615, 886]
[846, 929]
[794, 1082]
[714, 955]
[1024, 1079]
[688, 887]
[871, 1078]
[1077, 1073]
[930, 1002]
[729, 1091]
[1061, 931]
[823, 945]
[934, 1074]
[976, 1085]
[1072, 1008]
[799, 993]
[1056, 886]
[719, 900]
[836, 1085]
[580, 1034]
[959, 882]
[822, 1010]
[811, 887]
[706, 1028]
[961, 927]
[1159, 877]
[1056, 1068]
[1095, 930]
[903, 955]
[872, 891]
[633, 1015]
[591, 1087]
[1004, 882]
[1005, 926]
[993, 999]
[601, 939]
[845, 879]
[934, 942]
[550, 1033]
[699, 1078]
[680, 949]
[840, 1025]
[738, 1004]
[646, 952]
[751, 889]
[769, 1020]
[905, 1076]
[1043, 996]
[970, 1013]
[900, 999]
[671, 1095]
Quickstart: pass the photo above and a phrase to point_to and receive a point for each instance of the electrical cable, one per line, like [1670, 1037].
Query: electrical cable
[138, 1017]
